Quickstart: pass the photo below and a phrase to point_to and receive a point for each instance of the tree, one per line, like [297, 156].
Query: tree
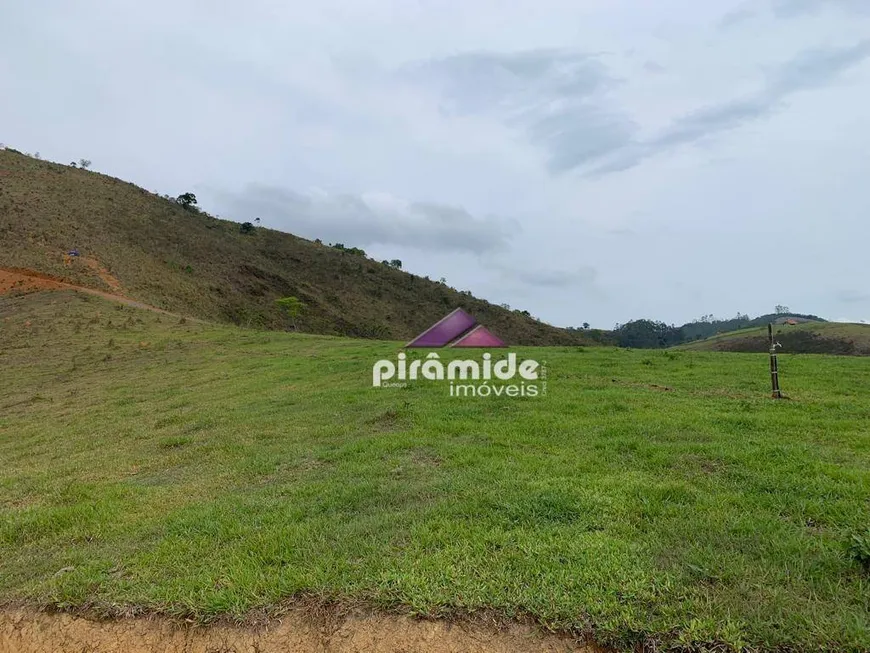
[246, 228]
[187, 201]
[291, 307]
[257, 220]
[585, 325]
[648, 334]
[349, 250]
[73, 164]
[780, 309]
[85, 163]
[396, 263]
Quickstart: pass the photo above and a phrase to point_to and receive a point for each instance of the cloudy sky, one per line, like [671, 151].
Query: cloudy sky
[587, 160]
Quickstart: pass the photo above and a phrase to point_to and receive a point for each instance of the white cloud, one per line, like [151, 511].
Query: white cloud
[372, 218]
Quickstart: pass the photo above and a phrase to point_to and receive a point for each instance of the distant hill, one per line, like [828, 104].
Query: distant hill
[701, 329]
[809, 337]
[651, 334]
[150, 248]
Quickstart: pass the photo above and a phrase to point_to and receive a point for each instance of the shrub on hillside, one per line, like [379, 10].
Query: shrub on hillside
[187, 201]
[350, 250]
[291, 307]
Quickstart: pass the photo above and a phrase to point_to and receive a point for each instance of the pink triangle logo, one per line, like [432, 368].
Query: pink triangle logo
[479, 336]
[456, 329]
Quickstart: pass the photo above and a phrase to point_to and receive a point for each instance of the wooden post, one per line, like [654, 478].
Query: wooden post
[774, 370]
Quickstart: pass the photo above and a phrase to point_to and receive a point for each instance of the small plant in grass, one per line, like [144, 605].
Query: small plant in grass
[859, 549]
[291, 307]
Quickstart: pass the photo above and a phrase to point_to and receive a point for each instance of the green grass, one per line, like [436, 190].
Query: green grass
[205, 471]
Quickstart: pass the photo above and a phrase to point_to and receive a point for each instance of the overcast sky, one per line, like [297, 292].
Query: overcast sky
[586, 160]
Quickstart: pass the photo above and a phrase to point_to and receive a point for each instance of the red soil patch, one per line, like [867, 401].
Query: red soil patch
[29, 282]
[15, 279]
[28, 631]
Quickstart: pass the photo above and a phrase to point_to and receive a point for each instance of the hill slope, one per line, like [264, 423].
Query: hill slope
[136, 243]
[805, 338]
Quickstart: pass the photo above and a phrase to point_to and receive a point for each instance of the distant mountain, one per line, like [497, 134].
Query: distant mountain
[699, 330]
[651, 334]
[808, 337]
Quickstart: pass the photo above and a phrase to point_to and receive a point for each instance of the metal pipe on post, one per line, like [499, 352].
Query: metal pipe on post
[774, 370]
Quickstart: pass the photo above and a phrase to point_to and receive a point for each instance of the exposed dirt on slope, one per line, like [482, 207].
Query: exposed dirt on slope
[101, 272]
[28, 631]
[25, 281]
[17, 281]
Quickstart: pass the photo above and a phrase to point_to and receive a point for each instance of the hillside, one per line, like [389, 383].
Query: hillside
[803, 338]
[139, 244]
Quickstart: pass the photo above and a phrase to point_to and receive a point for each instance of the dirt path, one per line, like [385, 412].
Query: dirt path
[16, 279]
[28, 631]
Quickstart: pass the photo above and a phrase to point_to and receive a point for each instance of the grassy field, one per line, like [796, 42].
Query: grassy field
[151, 464]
